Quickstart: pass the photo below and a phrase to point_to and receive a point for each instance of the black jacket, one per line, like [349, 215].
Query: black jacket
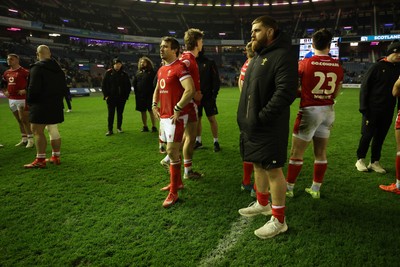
[116, 85]
[270, 87]
[46, 91]
[376, 89]
[209, 77]
[143, 84]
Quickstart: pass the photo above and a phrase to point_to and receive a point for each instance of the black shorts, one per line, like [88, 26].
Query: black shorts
[210, 107]
[268, 149]
[143, 104]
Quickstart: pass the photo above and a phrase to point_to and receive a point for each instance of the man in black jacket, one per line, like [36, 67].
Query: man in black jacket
[377, 106]
[270, 87]
[116, 88]
[209, 86]
[46, 91]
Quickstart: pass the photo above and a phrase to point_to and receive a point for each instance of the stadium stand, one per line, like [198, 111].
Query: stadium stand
[87, 58]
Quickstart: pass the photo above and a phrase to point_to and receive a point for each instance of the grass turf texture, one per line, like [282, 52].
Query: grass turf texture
[102, 205]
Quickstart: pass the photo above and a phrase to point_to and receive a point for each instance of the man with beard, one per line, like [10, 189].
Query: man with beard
[270, 87]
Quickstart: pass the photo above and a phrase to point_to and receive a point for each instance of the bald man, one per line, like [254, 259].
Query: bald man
[46, 90]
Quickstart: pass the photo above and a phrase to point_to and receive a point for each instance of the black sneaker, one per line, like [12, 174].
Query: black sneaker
[145, 129]
[154, 129]
[216, 147]
[109, 133]
[198, 145]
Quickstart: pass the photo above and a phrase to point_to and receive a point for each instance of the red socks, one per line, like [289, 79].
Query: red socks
[263, 198]
[279, 213]
[319, 170]
[175, 176]
[294, 169]
[247, 171]
[398, 166]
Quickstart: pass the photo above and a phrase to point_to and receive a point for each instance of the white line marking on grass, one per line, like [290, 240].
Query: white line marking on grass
[227, 242]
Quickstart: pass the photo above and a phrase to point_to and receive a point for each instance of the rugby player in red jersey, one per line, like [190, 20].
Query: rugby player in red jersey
[15, 81]
[175, 89]
[320, 82]
[194, 44]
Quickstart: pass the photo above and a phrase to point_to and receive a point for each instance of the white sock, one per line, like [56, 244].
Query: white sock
[166, 159]
[215, 139]
[188, 168]
[198, 139]
[316, 186]
[290, 186]
[398, 184]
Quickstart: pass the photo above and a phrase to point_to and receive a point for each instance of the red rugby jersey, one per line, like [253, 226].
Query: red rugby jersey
[170, 88]
[320, 76]
[16, 80]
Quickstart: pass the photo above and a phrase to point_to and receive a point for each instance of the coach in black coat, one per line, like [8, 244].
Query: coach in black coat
[116, 88]
[377, 105]
[270, 86]
[46, 91]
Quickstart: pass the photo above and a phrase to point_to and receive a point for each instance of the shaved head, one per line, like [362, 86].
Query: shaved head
[43, 52]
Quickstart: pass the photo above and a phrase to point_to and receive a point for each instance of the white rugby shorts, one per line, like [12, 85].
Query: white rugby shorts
[172, 133]
[314, 121]
[16, 104]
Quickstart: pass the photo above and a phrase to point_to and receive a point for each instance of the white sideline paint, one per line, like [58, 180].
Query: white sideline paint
[227, 242]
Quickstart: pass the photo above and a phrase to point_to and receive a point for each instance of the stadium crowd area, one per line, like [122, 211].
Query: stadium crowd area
[87, 59]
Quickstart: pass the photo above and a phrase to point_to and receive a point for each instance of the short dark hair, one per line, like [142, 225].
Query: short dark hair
[269, 22]
[174, 43]
[322, 39]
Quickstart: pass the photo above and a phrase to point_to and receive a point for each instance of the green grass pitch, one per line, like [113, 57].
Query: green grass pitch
[102, 205]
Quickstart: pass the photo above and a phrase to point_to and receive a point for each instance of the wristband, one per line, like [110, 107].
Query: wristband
[177, 108]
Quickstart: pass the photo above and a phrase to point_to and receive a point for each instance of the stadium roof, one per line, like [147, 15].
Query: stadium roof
[246, 3]
[242, 7]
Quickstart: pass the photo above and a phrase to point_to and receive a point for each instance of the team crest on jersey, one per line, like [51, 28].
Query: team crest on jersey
[11, 79]
[264, 61]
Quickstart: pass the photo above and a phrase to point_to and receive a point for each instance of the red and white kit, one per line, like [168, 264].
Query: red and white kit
[320, 77]
[243, 70]
[189, 59]
[16, 80]
[170, 92]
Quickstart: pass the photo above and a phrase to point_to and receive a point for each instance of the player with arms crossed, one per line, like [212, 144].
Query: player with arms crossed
[174, 91]
[320, 82]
